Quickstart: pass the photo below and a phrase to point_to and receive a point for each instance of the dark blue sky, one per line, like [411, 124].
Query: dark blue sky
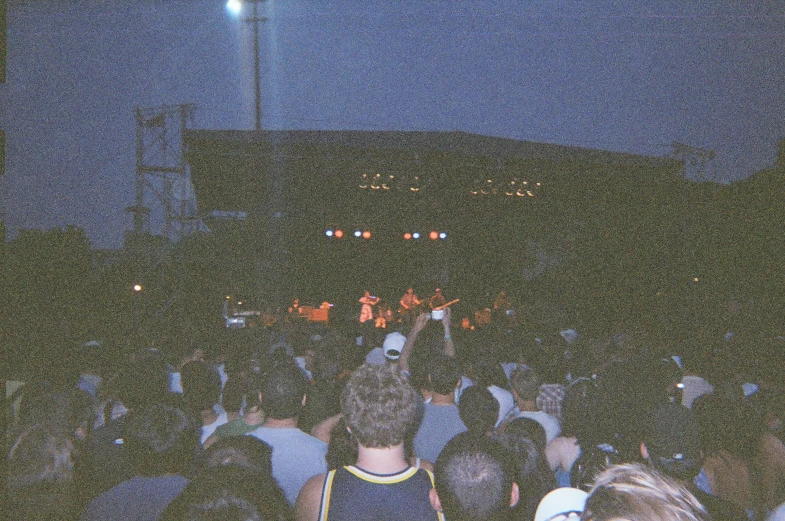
[622, 76]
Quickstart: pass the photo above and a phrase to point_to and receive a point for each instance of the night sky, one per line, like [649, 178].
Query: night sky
[620, 76]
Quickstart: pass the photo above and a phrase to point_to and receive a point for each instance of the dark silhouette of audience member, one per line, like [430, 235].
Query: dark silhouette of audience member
[161, 442]
[141, 381]
[41, 476]
[478, 410]
[230, 493]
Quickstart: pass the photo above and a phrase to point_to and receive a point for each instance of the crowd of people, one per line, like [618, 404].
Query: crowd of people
[420, 419]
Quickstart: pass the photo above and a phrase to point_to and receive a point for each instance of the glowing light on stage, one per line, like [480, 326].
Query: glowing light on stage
[366, 234]
[416, 235]
[433, 236]
[407, 236]
[329, 233]
[358, 233]
[442, 235]
[137, 288]
[338, 234]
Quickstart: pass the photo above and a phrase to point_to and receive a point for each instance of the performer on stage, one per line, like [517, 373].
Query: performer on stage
[409, 301]
[368, 301]
[437, 300]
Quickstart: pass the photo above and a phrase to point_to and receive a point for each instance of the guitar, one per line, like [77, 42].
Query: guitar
[448, 304]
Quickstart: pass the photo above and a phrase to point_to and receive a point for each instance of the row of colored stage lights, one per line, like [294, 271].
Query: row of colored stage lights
[365, 234]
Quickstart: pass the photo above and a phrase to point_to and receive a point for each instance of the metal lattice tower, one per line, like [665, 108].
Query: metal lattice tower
[163, 184]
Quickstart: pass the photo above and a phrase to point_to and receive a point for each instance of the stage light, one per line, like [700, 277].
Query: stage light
[366, 234]
[433, 236]
[338, 234]
[329, 233]
[358, 233]
[416, 235]
[137, 288]
[442, 235]
[407, 236]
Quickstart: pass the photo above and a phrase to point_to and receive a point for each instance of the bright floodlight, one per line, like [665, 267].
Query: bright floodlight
[329, 233]
[358, 233]
[442, 235]
[235, 6]
[137, 288]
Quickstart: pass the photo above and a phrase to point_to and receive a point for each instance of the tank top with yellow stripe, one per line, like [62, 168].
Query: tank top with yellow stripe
[353, 494]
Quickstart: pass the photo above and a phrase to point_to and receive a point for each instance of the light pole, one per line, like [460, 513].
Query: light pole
[236, 7]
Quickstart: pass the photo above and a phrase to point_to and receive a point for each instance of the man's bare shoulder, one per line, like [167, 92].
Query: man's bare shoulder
[309, 500]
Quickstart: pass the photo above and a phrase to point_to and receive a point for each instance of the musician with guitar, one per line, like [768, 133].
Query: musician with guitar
[408, 310]
[438, 303]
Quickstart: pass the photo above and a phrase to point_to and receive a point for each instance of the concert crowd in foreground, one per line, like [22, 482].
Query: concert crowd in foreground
[420, 419]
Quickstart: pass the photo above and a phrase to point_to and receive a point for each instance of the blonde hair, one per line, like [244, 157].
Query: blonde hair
[635, 492]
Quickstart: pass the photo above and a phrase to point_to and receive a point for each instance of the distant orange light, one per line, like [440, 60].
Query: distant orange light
[433, 235]
[338, 234]
[407, 236]
[366, 234]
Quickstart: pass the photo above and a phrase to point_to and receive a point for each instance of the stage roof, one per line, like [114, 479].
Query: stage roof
[231, 168]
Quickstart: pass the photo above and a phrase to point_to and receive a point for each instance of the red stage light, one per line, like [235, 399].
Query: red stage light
[338, 234]
[407, 236]
[366, 234]
[433, 236]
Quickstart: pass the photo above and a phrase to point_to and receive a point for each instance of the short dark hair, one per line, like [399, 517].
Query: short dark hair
[478, 409]
[380, 406]
[230, 494]
[443, 375]
[474, 478]
[283, 392]
[525, 382]
[160, 439]
[239, 451]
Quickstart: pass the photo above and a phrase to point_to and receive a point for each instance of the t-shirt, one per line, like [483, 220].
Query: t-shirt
[550, 424]
[297, 457]
[440, 423]
[505, 399]
[140, 498]
[353, 494]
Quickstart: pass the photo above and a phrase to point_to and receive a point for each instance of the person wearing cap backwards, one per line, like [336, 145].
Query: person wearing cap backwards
[673, 447]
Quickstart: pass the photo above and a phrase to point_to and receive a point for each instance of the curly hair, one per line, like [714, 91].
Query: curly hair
[380, 406]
